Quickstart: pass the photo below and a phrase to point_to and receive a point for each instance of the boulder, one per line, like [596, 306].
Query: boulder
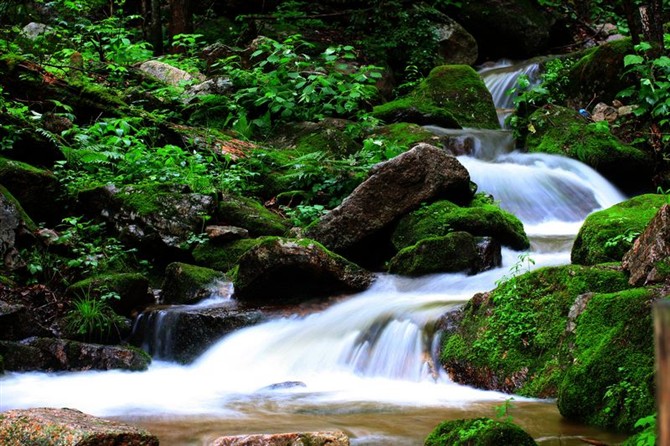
[32, 310]
[67, 427]
[131, 288]
[280, 271]
[335, 438]
[182, 334]
[247, 213]
[328, 135]
[648, 261]
[33, 30]
[606, 235]
[14, 225]
[223, 257]
[479, 432]
[220, 234]
[452, 96]
[168, 74]
[17, 322]
[189, 284]
[395, 187]
[563, 131]
[482, 217]
[47, 354]
[405, 135]
[456, 46]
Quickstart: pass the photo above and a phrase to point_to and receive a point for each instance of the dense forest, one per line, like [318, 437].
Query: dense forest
[149, 149]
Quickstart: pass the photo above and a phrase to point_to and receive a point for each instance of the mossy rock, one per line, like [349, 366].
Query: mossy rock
[511, 339]
[247, 213]
[606, 235]
[563, 131]
[25, 219]
[480, 218]
[452, 96]
[222, 257]
[404, 134]
[454, 252]
[478, 432]
[132, 288]
[188, 284]
[610, 382]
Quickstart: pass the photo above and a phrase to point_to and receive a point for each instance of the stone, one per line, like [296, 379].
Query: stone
[14, 224]
[218, 85]
[604, 112]
[33, 30]
[335, 438]
[479, 432]
[189, 284]
[132, 289]
[280, 271]
[221, 234]
[455, 44]
[67, 427]
[489, 252]
[168, 74]
[394, 188]
[247, 213]
[648, 261]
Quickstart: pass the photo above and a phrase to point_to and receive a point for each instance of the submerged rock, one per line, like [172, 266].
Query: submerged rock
[648, 261]
[334, 438]
[67, 427]
[479, 432]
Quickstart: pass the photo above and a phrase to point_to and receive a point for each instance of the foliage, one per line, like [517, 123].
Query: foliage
[93, 319]
[648, 436]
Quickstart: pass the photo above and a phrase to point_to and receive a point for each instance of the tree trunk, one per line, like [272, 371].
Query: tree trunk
[631, 19]
[181, 19]
[651, 17]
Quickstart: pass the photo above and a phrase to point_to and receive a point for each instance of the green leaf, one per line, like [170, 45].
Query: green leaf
[632, 59]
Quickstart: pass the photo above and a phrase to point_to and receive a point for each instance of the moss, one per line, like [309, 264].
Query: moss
[478, 432]
[25, 218]
[186, 283]
[610, 382]
[147, 199]
[563, 131]
[132, 289]
[451, 96]
[608, 234]
[454, 252]
[510, 339]
[480, 218]
[247, 213]
[223, 257]
[404, 134]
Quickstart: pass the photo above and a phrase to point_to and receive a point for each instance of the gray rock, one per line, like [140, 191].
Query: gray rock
[335, 438]
[222, 234]
[456, 45]
[33, 30]
[167, 73]
[648, 261]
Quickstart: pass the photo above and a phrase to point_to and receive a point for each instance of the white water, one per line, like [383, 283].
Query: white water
[369, 351]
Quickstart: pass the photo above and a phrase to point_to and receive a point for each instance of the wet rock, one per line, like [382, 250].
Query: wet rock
[648, 261]
[67, 427]
[335, 438]
[284, 385]
[47, 354]
[395, 187]
[222, 234]
[454, 252]
[168, 74]
[189, 284]
[455, 44]
[280, 271]
[489, 252]
[479, 432]
[182, 334]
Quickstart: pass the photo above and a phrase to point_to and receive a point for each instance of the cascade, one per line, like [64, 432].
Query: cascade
[364, 363]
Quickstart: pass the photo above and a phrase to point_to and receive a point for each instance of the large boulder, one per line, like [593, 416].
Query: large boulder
[563, 131]
[189, 284]
[222, 257]
[606, 235]
[395, 187]
[335, 438]
[479, 432]
[452, 96]
[455, 44]
[15, 225]
[247, 213]
[67, 427]
[182, 334]
[482, 217]
[648, 261]
[47, 354]
[168, 74]
[280, 271]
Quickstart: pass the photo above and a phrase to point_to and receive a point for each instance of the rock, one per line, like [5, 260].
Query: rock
[168, 74]
[283, 385]
[132, 289]
[395, 187]
[235, 210]
[33, 30]
[221, 234]
[606, 235]
[482, 217]
[405, 134]
[47, 354]
[563, 131]
[222, 257]
[280, 271]
[328, 135]
[479, 432]
[189, 284]
[218, 85]
[489, 252]
[67, 427]
[452, 96]
[648, 261]
[604, 112]
[16, 322]
[456, 46]
[335, 438]
[14, 225]
[182, 334]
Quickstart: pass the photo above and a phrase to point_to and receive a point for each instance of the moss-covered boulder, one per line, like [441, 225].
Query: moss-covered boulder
[189, 284]
[478, 432]
[249, 214]
[454, 252]
[328, 136]
[606, 235]
[404, 134]
[452, 96]
[563, 131]
[648, 261]
[15, 228]
[37, 190]
[280, 270]
[610, 380]
[132, 290]
[482, 217]
[223, 257]
[513, 338]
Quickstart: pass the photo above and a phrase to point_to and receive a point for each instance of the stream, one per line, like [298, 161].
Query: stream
[365, 365]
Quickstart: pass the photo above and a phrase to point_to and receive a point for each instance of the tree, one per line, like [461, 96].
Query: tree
[181, 19]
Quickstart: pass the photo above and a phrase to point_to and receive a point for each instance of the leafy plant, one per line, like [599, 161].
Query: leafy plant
[503, 411]
[648, 435]
[92, 319]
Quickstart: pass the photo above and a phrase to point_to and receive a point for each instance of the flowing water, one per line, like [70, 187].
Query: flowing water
[365, 365]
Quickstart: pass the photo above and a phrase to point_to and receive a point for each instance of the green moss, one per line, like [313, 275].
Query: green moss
[454, 252]
[27, 221]
[186, 283]
[247, 213]
[610, 382]
[403, 134]
[511, 338]
[451, 96]
[478, 432]
[480, 218]
[132, 289]
[146, 199]
[608, 234]
[223, 257]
